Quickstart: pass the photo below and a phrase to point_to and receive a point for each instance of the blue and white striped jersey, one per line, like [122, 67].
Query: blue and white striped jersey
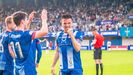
[69, 58]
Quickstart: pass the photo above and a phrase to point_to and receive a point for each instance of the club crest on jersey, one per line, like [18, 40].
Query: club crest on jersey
[63, 40]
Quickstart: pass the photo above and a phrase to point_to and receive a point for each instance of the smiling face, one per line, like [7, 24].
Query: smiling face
[66, 23]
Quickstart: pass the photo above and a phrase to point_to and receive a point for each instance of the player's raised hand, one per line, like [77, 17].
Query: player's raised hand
[53, 71]
[32, 15]
[44, 14]
[70, 31]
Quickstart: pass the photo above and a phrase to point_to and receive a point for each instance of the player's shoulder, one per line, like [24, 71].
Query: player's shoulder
[19, 34]
[27, 32]
[59, 33]
[5, 34]
[21, 31]
[77, 33]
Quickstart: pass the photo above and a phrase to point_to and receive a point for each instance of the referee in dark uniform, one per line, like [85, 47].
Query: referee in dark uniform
[98, 43]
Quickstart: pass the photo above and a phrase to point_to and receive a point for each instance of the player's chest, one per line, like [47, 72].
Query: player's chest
[64, 40]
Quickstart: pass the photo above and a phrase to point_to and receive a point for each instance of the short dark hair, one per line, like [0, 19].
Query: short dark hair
[93, 29]
[18, 16]
[66, 16]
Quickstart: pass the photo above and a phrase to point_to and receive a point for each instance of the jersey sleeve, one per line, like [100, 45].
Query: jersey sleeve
[78, 36]
[29, 35]
[39, 50]
[57, 38]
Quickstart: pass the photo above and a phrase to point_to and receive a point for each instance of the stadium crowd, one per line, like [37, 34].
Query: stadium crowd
[102, 14]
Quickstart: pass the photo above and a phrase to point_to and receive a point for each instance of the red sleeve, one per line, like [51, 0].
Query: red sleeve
[33, 35]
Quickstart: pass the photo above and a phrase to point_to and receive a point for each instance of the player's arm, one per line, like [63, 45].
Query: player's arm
[44, 29]
[39, 52]
[75, 43]
[11, 51]
[31, 16]
[56, 57]
[93, 42]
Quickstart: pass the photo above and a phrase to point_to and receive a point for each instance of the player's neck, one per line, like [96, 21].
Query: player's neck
[20, 28]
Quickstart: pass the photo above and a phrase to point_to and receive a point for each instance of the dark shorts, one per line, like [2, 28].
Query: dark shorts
[97, 53]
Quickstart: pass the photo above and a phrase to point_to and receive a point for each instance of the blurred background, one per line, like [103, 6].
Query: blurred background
[112, 18]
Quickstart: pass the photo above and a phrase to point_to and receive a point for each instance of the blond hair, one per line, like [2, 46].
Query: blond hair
[8, 20]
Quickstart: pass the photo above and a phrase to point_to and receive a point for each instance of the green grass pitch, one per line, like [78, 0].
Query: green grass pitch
[115, 63]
